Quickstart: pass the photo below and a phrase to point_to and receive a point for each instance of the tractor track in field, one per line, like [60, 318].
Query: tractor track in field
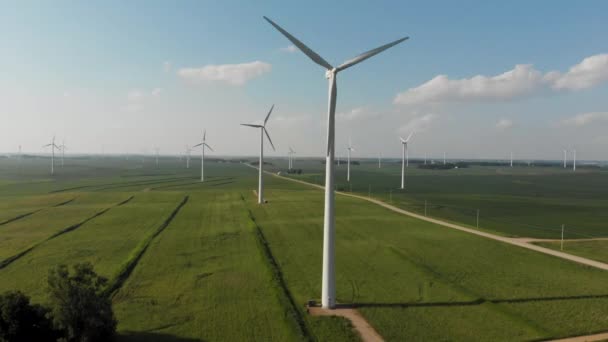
[68, 229]
[288, 302]
[128, 267]
[98, 187]
[512, 241]
[22, 216]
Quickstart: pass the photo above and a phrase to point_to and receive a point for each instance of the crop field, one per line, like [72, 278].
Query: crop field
[192, 261]
[521, 201]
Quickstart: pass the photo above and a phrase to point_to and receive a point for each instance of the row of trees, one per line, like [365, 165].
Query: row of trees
[78, 309]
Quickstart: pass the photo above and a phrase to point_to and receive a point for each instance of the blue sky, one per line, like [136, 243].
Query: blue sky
[133, 75]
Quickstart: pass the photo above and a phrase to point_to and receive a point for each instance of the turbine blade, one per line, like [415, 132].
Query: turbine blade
[209, 147]
[402, 140]
[197, 145]
[204, 134]
[46, 145]
[269, 140]
[307, 51]
[369, 54]
[250, 125]
[409, 136]
[268, 115]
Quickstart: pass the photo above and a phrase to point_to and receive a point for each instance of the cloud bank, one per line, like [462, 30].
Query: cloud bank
[231, 74]
[523, 80]
[584, 119]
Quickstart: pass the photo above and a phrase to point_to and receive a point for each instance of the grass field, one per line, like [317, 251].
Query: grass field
[195, 261]
[519, 201]
[595, 250]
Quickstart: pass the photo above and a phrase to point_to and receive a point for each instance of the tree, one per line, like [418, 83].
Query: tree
[78, 304]
[22, 321]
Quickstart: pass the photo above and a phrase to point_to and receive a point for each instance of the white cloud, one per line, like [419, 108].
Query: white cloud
[418, 124]
[289, 49]
[588, 73]
[167, 66]
[136, 99]
[356, 114]
[232, 74]
[523, 80]
[504, 124]
[585, 119]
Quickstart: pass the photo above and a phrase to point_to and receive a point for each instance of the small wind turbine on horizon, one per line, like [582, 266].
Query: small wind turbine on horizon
[156, 151]
[565, 158]
[328, 287]
[63, 147]
[380, 160]
[53, 147]
[203, 144]
[261, 163]
[290, 154]
[405, 158]
[511, 159]
[573, 160]
[349, 149]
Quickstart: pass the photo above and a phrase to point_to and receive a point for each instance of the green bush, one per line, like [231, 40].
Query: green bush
[78, 305]
[22, 321]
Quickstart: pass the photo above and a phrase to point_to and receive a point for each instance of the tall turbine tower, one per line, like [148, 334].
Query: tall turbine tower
[53, 147]
[404, 158]
[290, 154]
[349, 149]
[565, 157]
[380, 160]
[573, 160]
[203, 144]
[443, 158]
[63, 147]
[261, 165]
[328, 296]
[188, 150]
[511, 159]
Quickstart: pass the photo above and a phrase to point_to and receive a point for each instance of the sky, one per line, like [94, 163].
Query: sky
[476, 79]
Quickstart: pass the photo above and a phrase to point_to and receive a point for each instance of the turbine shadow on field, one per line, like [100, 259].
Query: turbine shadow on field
[469, 303]
[136, 336]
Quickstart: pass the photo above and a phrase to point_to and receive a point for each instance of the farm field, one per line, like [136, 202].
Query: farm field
[188, 261]
[522, 201]
[595, 250]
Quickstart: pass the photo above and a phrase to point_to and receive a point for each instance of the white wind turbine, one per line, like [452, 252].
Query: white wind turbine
[156, 150]
[63, 147]
[380, 160]
[405, 158]
[261, 164]
[290, 153]
[188, 150]
[349, 149]
[53, 147]
[203, 144]
[573, 160]
[328, 296]
[511, 159]
[565, 158]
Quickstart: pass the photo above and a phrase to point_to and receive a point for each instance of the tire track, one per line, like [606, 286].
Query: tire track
[73, 227]
[139, 251]
[19, 217]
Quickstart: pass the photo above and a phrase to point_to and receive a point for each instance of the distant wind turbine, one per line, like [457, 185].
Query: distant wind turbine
[290, 154]
[156, 150]
[405, 159]
[349, 149]
[573, 160]
[328, 288]
[203, 144]
[63, 147]
[443, 158]
[53, 147]
[380, 160]
[511, 159]
[565, 158]
[261, 165]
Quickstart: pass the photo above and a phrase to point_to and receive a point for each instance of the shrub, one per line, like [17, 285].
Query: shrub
[22, 321]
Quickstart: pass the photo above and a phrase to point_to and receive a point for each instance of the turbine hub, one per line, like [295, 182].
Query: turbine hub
[330, 73]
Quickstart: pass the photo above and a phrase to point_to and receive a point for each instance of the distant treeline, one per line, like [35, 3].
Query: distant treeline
[352, 162]
[258, 163]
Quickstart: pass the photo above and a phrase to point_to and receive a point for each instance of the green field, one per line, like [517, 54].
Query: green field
[193, 261]
[519, 201]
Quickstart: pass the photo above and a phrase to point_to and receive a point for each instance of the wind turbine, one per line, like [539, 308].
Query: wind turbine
[62, 148]
[349, 149]
[261, 164]
[511, 159]
[405, 158]
[203, 144]
[443, 158]
[328, 295]
[53, 147]
[573, 160]
[188, 149]
[156, 150]
[291, 158]
[380, 160]
[565, 157]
